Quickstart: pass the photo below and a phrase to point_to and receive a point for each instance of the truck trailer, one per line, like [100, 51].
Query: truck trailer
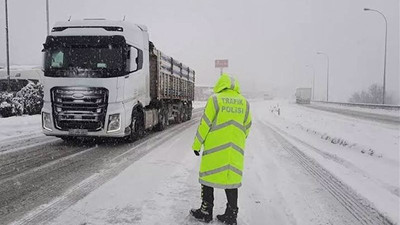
[303, 95]
[105, 78]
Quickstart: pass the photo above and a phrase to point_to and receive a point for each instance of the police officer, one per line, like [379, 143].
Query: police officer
[223, 130]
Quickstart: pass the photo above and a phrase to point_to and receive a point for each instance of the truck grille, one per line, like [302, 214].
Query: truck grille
[79, 107]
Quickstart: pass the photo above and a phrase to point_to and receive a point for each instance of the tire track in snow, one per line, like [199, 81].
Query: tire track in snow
[22, 137]
[45, 213]
[25, 143]
[33, 156]
[360, 208]
[19, 157]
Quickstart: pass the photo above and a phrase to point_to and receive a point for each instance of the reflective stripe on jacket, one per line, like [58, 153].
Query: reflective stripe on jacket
[223, 130]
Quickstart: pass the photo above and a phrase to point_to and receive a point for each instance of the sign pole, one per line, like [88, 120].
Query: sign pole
[221, 64]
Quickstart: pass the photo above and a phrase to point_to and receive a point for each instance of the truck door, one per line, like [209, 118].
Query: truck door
[134, 81]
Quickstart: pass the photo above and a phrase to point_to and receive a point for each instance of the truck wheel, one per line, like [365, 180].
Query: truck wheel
[162, 120]
[137, 127]
[181, 113]
[181, 116]
[186, 112]
[189, 111]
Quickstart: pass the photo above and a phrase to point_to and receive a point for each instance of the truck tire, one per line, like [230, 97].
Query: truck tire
[137, 127]
[186, 112]
[162, 120]
[189, 111]
[180, 117]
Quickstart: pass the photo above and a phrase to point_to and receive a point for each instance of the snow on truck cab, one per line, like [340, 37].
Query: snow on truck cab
[106, 79]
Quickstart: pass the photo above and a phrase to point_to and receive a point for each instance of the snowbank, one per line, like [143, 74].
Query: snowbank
[388, 112]
[364, 154]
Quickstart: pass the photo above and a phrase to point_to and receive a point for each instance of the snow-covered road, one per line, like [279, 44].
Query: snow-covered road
[292, 175]
[163, 186]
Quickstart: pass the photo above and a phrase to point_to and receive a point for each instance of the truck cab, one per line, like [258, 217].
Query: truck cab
[95, 75]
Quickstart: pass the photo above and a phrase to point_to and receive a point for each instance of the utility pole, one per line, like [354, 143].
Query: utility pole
[384, 57]
[7, 50]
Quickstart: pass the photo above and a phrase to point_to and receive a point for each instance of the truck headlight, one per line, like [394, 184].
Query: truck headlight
[46, 121]
[114, 123]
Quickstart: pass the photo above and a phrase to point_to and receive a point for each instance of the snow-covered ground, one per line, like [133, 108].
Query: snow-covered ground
[17, 126]
[161, 187]
[364, 154]
[22, 72]
[199, 104]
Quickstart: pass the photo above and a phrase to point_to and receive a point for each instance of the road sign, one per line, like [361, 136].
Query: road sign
[221, 63]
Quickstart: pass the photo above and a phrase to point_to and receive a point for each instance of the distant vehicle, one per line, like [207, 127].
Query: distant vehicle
[303, 95]
[268, 97]
[106, 79]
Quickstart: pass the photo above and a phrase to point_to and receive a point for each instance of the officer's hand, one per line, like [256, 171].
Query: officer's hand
[196, 153]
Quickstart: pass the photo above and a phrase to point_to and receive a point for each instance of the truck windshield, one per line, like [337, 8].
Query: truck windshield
[84, 60]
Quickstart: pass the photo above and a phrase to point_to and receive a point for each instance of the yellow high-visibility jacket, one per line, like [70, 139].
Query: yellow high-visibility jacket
[223, 130]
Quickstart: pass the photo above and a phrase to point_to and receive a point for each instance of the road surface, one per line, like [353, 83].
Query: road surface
[44, 180]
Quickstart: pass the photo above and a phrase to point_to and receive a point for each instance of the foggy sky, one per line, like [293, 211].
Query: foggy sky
[268, 42]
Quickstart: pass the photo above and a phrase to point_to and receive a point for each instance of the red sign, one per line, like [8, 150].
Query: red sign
[221, 63]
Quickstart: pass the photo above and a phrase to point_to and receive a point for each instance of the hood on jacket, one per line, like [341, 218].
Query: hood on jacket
[226, 82]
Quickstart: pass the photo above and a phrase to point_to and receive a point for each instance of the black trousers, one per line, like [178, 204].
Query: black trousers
[207, 195]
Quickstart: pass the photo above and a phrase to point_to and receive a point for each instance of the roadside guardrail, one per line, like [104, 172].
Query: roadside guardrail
[363, 105]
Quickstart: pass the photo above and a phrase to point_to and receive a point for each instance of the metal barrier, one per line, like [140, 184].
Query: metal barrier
[363, 105]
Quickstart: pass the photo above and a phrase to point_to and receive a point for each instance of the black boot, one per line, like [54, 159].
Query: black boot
[205, 213]
[230, 215]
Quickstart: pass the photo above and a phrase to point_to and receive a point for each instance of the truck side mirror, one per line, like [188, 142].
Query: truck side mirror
[133, 59]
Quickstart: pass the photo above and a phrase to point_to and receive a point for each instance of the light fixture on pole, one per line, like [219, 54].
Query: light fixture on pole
[384, 57]
[327, 74]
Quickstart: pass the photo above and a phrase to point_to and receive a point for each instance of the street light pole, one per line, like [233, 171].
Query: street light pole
[313, 80]
[327, 74]
[384, 57]
[47, 17]
[7, 50]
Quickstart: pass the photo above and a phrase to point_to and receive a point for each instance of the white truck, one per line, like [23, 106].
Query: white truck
[303, 95]
[105, 78]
